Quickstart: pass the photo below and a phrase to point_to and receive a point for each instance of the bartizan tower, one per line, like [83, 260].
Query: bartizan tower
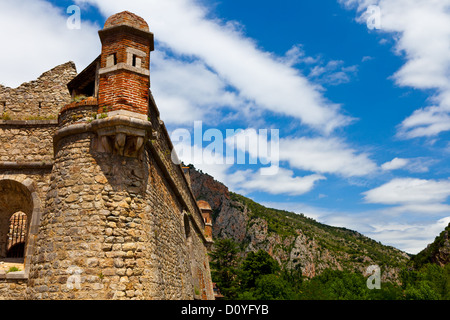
[120, 220]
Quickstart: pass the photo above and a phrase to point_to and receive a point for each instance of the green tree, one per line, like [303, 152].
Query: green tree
[257, 264]
[388, 291]
[224, 266]
[273, 287]
[293, 276]
[422, 290]
[335, 285]
[430, 282]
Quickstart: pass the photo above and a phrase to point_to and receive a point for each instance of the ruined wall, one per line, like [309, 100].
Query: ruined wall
[27, 141]
[26, 158]
[38, 99]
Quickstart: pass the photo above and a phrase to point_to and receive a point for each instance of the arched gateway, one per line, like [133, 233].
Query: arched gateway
[20, 213]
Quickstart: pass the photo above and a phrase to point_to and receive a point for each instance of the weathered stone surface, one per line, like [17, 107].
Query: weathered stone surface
[41, 98]
[29, 143]
[12, 289]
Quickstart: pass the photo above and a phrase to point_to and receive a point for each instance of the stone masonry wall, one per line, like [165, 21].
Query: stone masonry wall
[12, 289]
[38, 99]
[27, 141]
[163, 146]
[116, 224]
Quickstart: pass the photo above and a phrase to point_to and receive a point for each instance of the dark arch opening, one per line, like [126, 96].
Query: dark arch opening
[16, 208]
[17, 235]
[187, 228]
[16, 251]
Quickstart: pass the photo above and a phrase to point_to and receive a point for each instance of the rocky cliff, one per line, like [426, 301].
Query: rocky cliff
[437, 252]
[294, 240]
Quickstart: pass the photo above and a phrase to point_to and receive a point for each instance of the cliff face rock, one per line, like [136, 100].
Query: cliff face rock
[293, 240]
[437, 252]
[442, 256]
[258, 237]
[230, 217]
[307, 255]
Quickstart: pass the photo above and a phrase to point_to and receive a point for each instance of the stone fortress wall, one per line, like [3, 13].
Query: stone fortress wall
[28, 121]
[110, 216]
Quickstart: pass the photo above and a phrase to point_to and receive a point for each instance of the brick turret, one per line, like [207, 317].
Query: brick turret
[206, 210]
[125, 66]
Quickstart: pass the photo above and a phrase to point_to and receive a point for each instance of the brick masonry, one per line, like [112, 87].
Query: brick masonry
[124, 63]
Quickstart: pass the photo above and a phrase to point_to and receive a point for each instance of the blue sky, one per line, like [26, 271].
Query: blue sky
[363, 114]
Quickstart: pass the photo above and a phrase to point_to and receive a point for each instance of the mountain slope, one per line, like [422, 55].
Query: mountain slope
[292, 239]
[437, 252]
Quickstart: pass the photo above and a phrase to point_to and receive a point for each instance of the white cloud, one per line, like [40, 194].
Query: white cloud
[319, 155]
[36, 38]
[296, 55]
[332, 73]
[212, 162]
[426, 122]
[415, 165]
[395, 164]
[284, 182]
[325, 155]
[215, 160]
[258, 75]
[409, 237]
[421, 30]
[410, 192]
[188, 91]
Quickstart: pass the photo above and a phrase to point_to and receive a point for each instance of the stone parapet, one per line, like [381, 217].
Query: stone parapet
[81, 111]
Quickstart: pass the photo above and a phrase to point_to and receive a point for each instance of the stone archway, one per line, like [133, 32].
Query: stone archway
[18, 195]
